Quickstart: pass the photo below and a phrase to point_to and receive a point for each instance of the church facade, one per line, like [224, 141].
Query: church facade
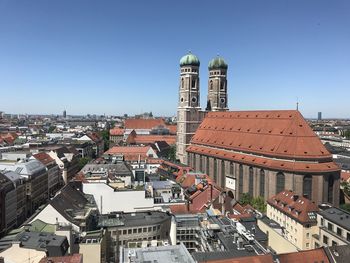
[257, 152]
[189, 112]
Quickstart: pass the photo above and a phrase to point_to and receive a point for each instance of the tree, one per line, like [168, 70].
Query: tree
[347, 134]
[259, 204]
[105, 136]
[83, 161]
[172, 153]
[245, 199]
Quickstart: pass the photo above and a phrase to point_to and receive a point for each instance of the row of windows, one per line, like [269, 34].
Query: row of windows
[217, 73]
[339, 231]
[136, 230]
[189, 70]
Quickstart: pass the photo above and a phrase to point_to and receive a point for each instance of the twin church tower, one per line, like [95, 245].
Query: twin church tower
[189, 112]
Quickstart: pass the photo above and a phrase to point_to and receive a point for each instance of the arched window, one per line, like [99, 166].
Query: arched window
[231, 169]
[280, 180]
[215, 175]
[251, 181]
[182, 83]
[262, 183]
[240, 182]
[193, 83]
[223, 177]
[307, 186]
[207, 166]
[330, 188]
[201, 163]
[211, 85]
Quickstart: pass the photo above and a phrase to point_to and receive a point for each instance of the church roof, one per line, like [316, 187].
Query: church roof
[280, 140]
[143, 123]
[279, 133]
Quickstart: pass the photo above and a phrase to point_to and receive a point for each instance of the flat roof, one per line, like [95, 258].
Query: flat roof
[337, 216]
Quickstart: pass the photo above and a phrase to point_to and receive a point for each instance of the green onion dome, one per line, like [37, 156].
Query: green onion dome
[189, 60]
[217, 63]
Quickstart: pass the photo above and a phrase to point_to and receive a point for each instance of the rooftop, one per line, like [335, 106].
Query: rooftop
[337, 216]
[133, 124]
[170, 254]
[299, 208]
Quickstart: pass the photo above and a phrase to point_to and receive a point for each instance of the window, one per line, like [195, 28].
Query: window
[280, 180]
[231, 168]
[139, 230]
[330, 226]
[201, 163]
[149, 229]
[240, 182]
[307, 245]
[262, 182]
[129, 231]
[307, 235]
[251, 181]
[144, 229]
[325, 240]
[215, 170]
[330, 189]
[317, 245]
[222, 174]
[211, 85]
[307, 186]
[348, 236]
[193, 83]
[339, 231]
[134, 231]
[207, 166]
[334, 243]
[322, 221]
[124, 232]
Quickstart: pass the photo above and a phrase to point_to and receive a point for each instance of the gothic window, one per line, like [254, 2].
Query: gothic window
[307, 186]
[231, 168]
[215, 170]
[330, 188]
[182, 83]
[193, 83]
[280, 181]
[207, 166]
[251, 181]
[222, 85]
[201, 163]
[262, 183]
[211, 85]
[223, 177]
[240, 180]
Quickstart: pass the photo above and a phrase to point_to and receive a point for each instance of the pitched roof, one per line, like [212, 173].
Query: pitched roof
[116, 132]
[172, 129]
[43, 157]
[146, 139]
[94, 136]
[143, 123]
[297, 207]
[317, 255]
[130, 153]
[279, 133]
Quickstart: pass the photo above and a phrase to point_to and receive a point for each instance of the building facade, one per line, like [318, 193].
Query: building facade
[189, 112]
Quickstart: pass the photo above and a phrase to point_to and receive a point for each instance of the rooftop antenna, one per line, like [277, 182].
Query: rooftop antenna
[297, 103]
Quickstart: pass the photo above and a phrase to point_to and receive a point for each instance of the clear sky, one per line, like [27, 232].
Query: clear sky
[118, 57]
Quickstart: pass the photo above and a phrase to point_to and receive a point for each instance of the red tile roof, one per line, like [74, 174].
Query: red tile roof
[143, 123]
[296, 207]
[172, 129]
[131, 153]
[345, 175]
[315, 255]
[75, 258]
[44, 158]
[146, 139]
[250, 259]
[94, 136]
[280, 133]
[116, 132]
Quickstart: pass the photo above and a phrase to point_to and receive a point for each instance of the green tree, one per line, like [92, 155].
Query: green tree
[259, 204]
[245, 199]
[83, 161]
[105, 136]
[347, 134]
[51, 129]
[345, 207]
[172, 153]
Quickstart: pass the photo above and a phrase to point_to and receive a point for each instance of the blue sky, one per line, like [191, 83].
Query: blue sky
[118, 57]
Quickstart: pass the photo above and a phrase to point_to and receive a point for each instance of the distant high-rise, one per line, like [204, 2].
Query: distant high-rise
[319, 116]
[64, 114]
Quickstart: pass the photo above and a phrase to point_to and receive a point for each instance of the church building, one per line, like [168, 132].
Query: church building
[257, 152]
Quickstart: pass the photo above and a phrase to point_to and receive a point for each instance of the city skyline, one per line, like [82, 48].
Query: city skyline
[61, 55]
